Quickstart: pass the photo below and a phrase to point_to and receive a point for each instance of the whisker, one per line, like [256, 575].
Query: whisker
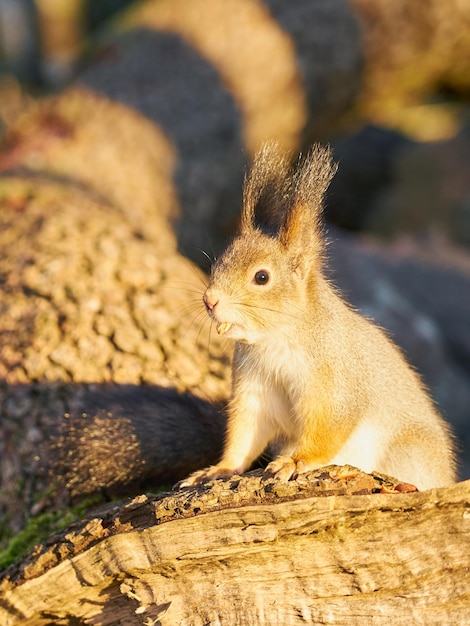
[214, 256]
[209, 336]
[191, 308]
[201, 326]
[264, 308]
[211, 260]
[183, 286]
[238, 295]
[262, 322]
[197, 318]
[193, 270]
[184, 283]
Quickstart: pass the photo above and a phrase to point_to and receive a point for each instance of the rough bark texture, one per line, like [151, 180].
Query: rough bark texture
[86, 141]
[93, 294]
[336, 547]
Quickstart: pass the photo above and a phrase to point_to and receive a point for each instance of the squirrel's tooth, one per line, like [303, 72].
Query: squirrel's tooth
[223, 327]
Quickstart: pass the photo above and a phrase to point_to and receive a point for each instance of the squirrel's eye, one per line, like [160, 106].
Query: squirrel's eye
[261, 277]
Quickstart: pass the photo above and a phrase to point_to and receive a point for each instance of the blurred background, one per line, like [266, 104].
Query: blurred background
[154, 109]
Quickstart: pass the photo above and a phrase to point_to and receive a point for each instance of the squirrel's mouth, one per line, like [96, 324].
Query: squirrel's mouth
[233, 330]
[223, 327]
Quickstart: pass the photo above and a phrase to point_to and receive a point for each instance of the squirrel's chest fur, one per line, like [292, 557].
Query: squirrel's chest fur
[281, 373]
[279, 364]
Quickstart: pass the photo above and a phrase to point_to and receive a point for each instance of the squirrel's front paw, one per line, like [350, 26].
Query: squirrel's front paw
[204, 475]
[285, 467]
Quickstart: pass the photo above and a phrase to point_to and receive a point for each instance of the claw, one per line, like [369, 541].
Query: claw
[205, 475]
[283, 468]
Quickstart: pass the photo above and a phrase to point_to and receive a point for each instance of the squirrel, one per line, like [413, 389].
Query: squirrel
[120, 440]
[311, 377]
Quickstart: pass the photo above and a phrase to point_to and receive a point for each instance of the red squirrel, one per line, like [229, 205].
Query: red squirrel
[311, 377]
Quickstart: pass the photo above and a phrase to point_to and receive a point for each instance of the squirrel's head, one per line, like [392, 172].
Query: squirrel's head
[264, 279]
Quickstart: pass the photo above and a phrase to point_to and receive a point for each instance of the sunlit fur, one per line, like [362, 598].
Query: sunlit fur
[309, 373]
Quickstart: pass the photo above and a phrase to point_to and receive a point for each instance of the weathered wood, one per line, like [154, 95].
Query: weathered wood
[250, 550]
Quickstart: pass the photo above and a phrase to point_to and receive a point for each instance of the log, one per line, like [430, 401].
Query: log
[335, 546]
[93, 297]
[403, 71]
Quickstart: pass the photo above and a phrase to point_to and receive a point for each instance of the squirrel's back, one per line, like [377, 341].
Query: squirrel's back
[399, 420]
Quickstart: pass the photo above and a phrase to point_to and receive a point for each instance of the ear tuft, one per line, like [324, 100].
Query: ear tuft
[266, 190]
[313, 177]
[301, 228]
[287, 204]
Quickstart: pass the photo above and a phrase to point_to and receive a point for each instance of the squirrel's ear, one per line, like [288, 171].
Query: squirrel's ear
[265, 190]
[292, 233]
[300, 231]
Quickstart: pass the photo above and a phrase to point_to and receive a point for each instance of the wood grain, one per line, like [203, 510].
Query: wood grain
[249, 550]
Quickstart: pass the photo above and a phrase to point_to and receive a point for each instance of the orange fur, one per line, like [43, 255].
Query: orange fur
[310, 375]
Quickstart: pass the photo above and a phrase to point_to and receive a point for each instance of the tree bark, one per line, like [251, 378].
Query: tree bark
[336, 547]
[98, 309]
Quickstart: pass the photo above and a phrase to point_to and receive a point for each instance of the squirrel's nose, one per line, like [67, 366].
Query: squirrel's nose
[211, 300]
